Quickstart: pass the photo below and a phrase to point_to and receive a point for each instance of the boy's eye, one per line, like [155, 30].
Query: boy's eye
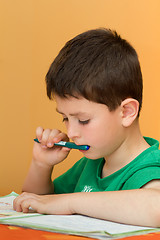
[81, 122]
[65, 119]
[84, 122]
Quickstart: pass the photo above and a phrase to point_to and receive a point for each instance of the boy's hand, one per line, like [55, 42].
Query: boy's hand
[45, 153]
[44, 204]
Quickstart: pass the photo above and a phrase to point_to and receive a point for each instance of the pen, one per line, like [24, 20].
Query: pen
[69, 145]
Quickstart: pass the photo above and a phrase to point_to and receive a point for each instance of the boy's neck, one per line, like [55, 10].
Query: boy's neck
[133, 145]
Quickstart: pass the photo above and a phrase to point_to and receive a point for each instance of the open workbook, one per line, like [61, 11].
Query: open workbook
[67, 224]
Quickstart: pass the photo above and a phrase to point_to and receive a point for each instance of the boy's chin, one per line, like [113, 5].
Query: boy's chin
[92, 156]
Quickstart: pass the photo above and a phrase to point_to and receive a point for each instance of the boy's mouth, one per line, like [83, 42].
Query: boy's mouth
[80, 146]
[84, 150]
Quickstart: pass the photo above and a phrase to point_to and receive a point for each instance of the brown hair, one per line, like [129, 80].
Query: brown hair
[98, 65]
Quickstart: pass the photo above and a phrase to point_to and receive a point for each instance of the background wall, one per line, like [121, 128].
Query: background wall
[31, 34]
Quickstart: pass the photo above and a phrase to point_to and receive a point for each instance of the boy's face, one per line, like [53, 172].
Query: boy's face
[90, 123]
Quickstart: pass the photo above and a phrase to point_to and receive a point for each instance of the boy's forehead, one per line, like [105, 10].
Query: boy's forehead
[76, 113]
[73, 101]
[77, 106]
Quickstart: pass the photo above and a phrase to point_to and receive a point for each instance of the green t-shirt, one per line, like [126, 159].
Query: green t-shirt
[85, 175]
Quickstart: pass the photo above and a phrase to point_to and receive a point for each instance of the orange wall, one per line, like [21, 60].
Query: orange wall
[32, 33]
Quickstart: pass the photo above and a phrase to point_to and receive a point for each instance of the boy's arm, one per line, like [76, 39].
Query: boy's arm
[137, 207]
[38, 179]
[45, 156]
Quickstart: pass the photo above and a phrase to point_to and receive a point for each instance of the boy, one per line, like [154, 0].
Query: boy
[97, 84]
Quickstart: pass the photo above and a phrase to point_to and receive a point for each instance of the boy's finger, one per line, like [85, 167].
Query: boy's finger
[52, 136]
[56, 137]
[39, 132]
[45, 136]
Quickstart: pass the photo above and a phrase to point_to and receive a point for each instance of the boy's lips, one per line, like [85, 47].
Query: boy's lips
[86, 146]
[86, 150]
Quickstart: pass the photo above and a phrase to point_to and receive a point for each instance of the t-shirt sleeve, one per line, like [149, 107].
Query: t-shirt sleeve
[141, 177]
[66, 182]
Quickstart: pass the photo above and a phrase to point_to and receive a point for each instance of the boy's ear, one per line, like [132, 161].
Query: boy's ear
[129, 111]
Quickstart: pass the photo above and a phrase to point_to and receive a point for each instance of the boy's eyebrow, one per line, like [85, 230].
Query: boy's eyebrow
[72, 114]
[58, 111]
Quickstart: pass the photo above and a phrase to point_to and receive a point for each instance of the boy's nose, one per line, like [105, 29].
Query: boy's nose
[72, 131]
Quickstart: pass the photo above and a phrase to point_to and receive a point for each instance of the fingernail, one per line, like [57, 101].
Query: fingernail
[49, 144]
[56, 140]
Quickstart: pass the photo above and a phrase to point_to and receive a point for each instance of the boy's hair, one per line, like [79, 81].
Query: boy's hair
[98, 65]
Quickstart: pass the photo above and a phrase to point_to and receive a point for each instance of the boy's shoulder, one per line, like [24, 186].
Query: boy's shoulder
[152, 142]
[151, 155]
[153, 151]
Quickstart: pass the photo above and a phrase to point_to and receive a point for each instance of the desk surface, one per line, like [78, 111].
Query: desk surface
[18, 233]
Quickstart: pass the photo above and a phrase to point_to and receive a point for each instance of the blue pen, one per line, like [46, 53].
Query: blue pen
[69, 145]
